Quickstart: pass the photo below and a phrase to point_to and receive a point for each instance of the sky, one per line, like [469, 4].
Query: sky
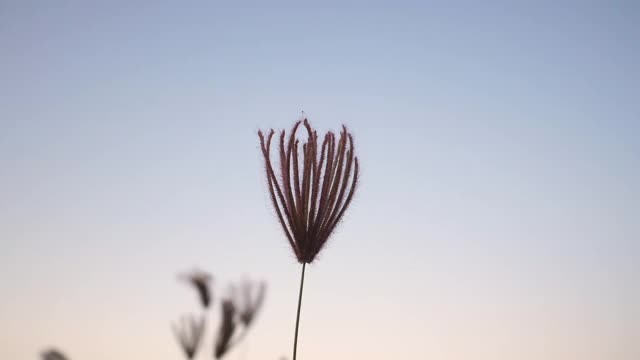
[496, 218]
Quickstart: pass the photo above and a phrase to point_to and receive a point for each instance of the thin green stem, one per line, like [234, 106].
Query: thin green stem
[295, 339]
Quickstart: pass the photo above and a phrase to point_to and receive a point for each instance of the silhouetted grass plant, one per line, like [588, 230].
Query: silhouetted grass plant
[312, 191]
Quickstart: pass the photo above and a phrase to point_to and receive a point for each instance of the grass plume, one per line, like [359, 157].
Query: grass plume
[311, 191]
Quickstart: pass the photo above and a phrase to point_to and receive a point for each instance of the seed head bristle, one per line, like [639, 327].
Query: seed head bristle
[188, 331]
[200, 280]
[227, 328]
[251, 299]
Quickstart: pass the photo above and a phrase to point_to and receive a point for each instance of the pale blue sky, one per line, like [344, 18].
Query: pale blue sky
[497, 214]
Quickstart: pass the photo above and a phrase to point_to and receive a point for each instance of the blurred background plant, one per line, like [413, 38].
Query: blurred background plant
[238, 310]
[53, 354]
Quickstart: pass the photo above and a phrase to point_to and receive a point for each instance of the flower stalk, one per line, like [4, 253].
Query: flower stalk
[295, 338]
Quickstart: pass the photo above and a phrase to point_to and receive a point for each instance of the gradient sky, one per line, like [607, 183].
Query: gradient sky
[497, 216]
